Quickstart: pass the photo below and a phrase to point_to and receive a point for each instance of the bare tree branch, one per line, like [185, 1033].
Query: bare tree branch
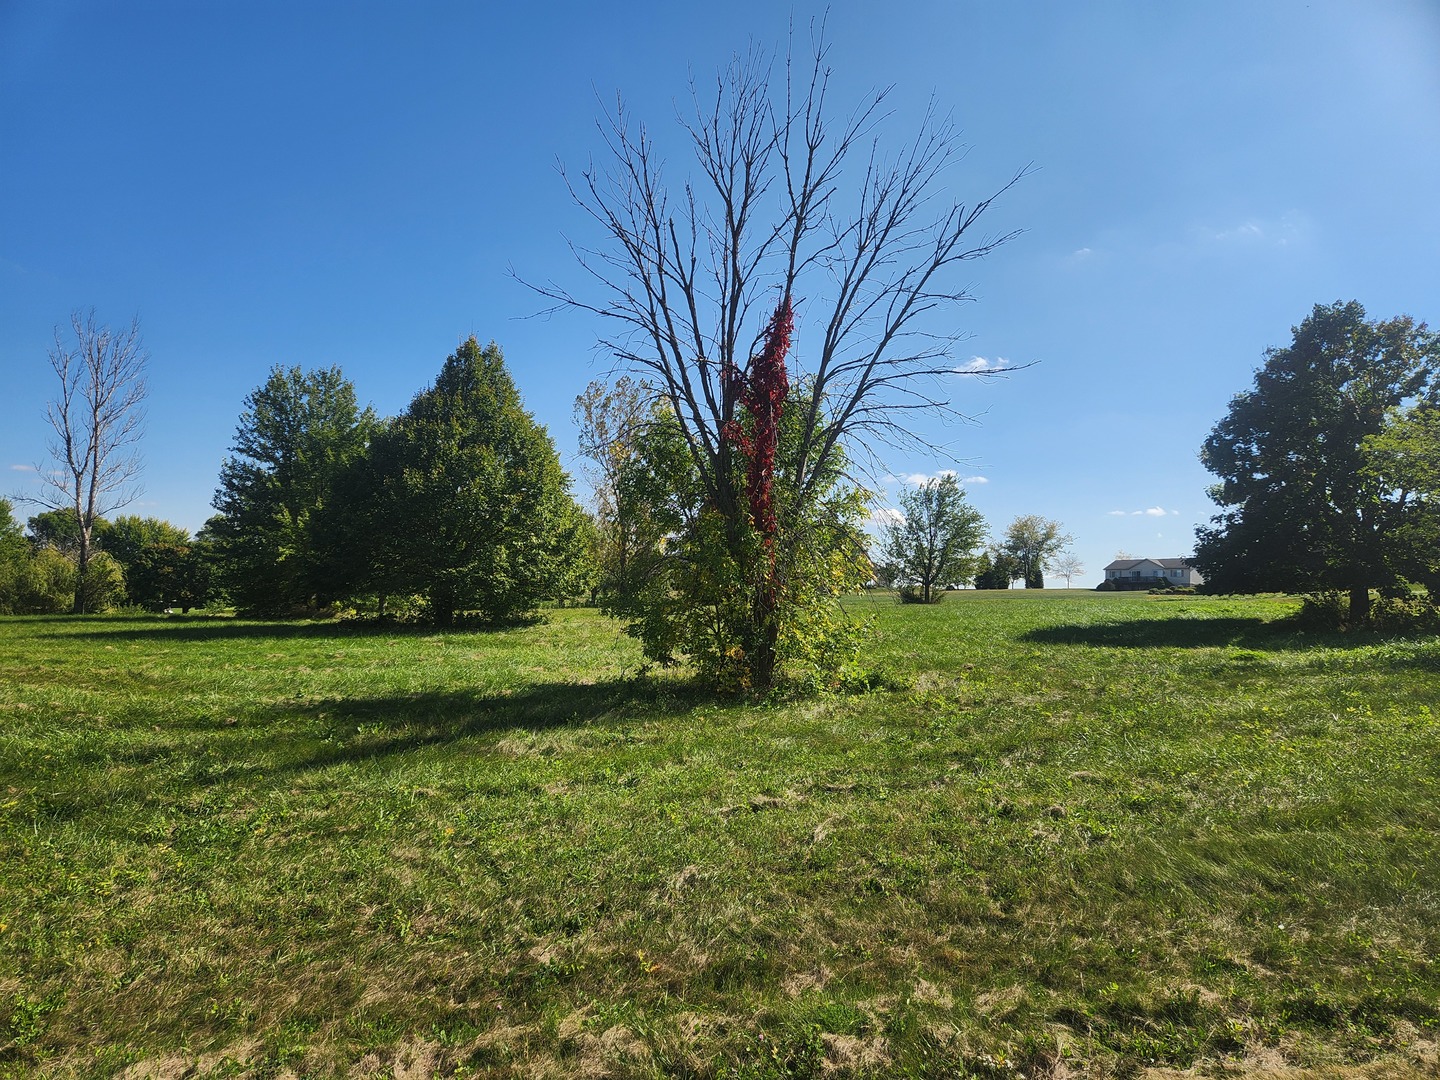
[96, 419]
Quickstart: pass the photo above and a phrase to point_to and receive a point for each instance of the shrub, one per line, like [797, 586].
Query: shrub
[912, 594]
[1322, 610]
[1405, 615]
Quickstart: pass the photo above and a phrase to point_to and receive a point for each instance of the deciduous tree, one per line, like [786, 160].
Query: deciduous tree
[1032, 542]
[1068, 565]
[611, 418]
[937, 541]
[1308, 504]
[793, 223]
[96, 421]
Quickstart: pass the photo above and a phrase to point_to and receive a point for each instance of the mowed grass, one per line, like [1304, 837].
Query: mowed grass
[1090, 835]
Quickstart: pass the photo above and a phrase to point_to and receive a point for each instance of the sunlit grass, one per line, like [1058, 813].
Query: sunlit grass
[1094, 833]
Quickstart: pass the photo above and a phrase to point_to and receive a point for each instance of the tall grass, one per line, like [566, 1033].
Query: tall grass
[1093, 833]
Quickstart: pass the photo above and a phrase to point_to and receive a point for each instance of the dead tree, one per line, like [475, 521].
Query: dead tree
[96, 419]
[788, 211]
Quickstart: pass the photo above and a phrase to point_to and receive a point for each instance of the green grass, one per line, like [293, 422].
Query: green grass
[1095, 834]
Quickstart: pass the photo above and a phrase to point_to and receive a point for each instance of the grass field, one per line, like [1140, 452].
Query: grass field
[1092, 834]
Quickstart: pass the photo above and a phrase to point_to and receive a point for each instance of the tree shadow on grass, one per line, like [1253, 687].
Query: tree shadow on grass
[202, 628]
[368, 729]
[1189, 633]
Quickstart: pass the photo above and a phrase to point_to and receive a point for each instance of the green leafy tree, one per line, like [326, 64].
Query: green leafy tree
[153, 554]
[1032, 542]
[937, 541]
[610, 418]
[14, 557]
[298, 432]
[473, 510]
[995, 569]
[690, 594]
[60, 530]
[1308, 504]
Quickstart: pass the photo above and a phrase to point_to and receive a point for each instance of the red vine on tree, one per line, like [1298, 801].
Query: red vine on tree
[766, 385]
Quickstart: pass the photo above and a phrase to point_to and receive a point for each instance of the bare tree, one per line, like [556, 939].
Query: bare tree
[790, 212]
[96, 418]
[1068, 565]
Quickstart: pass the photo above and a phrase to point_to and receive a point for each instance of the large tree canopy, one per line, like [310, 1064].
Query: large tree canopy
[1305, 505]
[796, 220]
[297, 433]
[473, 511]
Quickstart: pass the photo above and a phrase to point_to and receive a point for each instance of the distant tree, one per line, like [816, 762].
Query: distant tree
[610, 418]
[298, 432]
[59, 530]
[1309, 500]
[14, 557]
[127, 536]
[937, 541]
[1032, 542]
[152, 553]
[474, 511]
[95, 420]
[996, 568]
[1404, 459]
[1068, 565]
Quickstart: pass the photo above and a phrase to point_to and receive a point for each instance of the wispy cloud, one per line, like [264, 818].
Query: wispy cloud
[1081, 253]
[886, 515]
[22, 468]
[978, 364]
[1283, 231]
[974, 480]
[1154, 511]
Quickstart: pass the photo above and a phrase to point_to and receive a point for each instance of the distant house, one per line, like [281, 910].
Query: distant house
[1149, 574]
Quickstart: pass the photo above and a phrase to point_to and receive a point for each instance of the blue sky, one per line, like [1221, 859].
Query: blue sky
[353, 183]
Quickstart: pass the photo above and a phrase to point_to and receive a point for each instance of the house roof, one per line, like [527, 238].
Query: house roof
[1130, 564]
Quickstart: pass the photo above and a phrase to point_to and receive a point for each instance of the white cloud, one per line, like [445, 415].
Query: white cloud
[22, 468]
[1281, 232]
[975, 480]
[978, 364]
[887, 515]
[1154, 511]
[1081, 253]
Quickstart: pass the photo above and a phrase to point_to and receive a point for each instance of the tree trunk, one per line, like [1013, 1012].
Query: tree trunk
[1359, 605]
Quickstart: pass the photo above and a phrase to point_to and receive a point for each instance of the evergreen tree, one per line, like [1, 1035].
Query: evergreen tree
[296, 435]
[473, 511]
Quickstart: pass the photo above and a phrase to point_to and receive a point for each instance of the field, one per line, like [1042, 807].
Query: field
[1074, 835]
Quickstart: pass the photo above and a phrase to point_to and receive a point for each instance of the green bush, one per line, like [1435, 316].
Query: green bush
[913, 594]
[1405, 615]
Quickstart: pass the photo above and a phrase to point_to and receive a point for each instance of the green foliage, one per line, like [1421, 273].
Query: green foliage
[1032, 542]
[693, 591]
[14, 556]
[60, 531]
[611, 418]
[1315, 463]
[468, 505]
[156, 557]
[936, 543]
[297, 433]
[994, 569]
[45, 583]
